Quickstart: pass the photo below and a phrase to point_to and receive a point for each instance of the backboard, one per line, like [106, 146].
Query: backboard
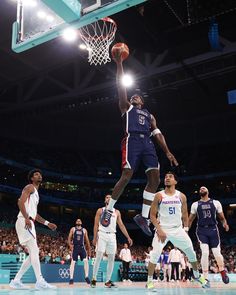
[39, 21]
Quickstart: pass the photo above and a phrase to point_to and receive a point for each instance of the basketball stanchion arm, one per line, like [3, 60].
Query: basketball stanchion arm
[81, 21]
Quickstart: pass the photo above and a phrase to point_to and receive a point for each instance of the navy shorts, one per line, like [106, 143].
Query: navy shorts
[138, 148]
[79, 251]
[208, 235]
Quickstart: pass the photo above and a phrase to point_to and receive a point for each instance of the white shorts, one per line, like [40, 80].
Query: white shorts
[106, 243]
[177, 236]
[24, 235]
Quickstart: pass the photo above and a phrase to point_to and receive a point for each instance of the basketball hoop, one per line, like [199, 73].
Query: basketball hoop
[98, 37]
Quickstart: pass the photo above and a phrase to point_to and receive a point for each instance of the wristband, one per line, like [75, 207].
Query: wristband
[46, 222]
[156, 131]
[186, 228]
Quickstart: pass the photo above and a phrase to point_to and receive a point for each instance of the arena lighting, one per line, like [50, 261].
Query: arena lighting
[41, 14]
[82, 46]
[232, 205]
[127, 80]
[70, 34]
[30, 3]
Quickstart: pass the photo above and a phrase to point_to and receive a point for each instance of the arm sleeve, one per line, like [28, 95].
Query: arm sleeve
[218, 206]
[194, 208]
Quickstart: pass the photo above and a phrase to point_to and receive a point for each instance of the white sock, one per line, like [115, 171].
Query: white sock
[96, 265]
[111, 204]
[34, 258]
[72, 269]
[146, 208]
[86, 267]
[23, 269]
[110, 266]
[150, 278]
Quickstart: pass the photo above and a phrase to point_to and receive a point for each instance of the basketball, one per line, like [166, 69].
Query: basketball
[120, 49]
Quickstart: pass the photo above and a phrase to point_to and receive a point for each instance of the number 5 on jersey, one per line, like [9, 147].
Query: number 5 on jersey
[171, 210]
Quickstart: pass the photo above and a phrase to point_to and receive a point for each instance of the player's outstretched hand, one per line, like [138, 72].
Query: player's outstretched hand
[130, 241]
[117, 56]
[172, 159]
[52, 226]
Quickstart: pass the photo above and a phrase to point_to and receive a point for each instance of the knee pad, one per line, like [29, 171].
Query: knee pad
[190, 253]
[216, 251]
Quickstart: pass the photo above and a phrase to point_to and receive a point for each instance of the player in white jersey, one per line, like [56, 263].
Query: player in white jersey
[104, 238]
[171, 207]
[25, 228]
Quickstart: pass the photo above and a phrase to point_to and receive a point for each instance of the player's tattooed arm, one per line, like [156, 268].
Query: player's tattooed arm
[41, 220]
[124, 104]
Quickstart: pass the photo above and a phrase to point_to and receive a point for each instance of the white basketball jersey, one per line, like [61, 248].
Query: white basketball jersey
[111, 228]
[31, 205]
[169, 213]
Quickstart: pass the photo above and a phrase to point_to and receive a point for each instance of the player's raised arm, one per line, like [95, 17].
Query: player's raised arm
[124, 104]
[160, 139]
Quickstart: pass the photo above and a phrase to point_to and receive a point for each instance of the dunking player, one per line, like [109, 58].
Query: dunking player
[104, 238]
[207, 231]
[139, 126]
[171, 206]
[28, 203]
[77, 239]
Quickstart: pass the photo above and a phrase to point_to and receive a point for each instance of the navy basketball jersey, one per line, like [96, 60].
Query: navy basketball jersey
[206, 212]
[78, 237]
[137, 120]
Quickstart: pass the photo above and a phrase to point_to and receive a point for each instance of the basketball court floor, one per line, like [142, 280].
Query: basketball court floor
[128, 289]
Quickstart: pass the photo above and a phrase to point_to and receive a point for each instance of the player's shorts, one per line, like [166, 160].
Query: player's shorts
[177, 236]
[79, 251]
[24, 235]
[208, 235]
[106, 243]
[138, 148]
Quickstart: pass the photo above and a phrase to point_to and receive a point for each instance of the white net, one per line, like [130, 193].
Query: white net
[98, 37]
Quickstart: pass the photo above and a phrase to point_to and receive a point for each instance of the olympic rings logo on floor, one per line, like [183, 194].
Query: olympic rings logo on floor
[64, 273]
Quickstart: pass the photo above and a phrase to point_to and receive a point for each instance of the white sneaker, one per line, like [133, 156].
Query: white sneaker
[42, 284]
[17, 284]
[124, 280]
[129, 281]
